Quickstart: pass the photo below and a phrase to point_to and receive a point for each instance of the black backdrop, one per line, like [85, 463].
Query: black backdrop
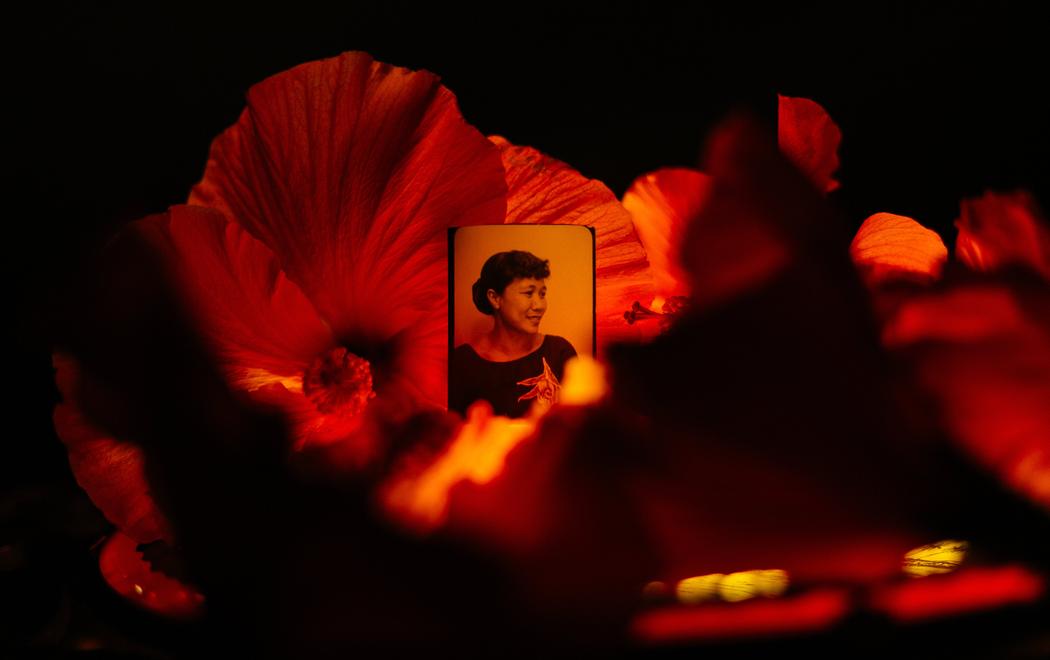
[114, 108]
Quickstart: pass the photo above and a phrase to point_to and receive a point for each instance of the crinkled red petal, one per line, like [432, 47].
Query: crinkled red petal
[130, 575]
[809, 137]
[351, 171]
[661, 204]
[111, 472]
[542, 190]
[999, 230]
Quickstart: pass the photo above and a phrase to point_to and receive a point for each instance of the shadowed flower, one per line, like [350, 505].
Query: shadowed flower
[979, 344]
[978, 341]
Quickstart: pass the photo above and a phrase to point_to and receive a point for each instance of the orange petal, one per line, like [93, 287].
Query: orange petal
[542, 190]
[351, 171]
[111, 472]
[891, 247]
[661, 204]
[999, 230]
[809, 137]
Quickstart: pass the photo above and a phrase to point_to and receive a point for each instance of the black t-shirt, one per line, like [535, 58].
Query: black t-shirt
[499, 383]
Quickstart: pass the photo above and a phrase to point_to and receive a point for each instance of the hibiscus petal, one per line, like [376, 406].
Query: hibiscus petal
[661, 204]
[998, 230]
[891, 247]
[260, 325]
[982, 351]
[542, 190]
[111, 472]
[127, 573]
[809, 137]
[351, 171]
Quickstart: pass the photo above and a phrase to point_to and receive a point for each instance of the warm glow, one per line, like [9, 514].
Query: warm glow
[699, 589]
[477, 455]
[744, 585]
[733, 588]
[935, 558]
[584, 381]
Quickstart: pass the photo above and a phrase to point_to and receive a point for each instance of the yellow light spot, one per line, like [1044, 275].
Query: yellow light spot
[771, 583]
[935, 558]
[699, 589]
[138, 589]
[584, 381]
[736, 587]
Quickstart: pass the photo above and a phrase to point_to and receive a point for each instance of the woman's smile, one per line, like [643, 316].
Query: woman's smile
[523, 304]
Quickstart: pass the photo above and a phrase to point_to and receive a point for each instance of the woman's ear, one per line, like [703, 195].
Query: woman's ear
[494, 298]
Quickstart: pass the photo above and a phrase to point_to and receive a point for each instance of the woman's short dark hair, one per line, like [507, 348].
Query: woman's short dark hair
[501, 269]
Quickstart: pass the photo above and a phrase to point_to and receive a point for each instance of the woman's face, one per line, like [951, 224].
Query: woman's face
[522, 304]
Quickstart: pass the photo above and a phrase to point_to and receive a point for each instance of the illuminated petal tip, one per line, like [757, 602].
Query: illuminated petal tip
[935, 558]
[891, 247]
[698, 589]
[732, 587]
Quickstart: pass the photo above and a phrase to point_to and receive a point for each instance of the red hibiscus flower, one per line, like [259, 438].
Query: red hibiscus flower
[312, 260]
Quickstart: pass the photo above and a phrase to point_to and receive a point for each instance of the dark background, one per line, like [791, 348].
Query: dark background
[115, 106]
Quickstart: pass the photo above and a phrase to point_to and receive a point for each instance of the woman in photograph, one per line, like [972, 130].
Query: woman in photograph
[513, 366]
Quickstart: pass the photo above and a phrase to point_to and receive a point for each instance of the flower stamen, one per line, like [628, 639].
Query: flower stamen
[669, 310]
[339, 382]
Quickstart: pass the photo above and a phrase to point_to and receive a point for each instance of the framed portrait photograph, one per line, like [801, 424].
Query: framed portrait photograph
[521, 305]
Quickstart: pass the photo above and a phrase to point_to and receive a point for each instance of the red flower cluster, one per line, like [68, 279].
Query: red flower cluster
[762, 429]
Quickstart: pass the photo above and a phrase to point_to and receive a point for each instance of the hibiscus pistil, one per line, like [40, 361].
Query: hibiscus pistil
[339, 382]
